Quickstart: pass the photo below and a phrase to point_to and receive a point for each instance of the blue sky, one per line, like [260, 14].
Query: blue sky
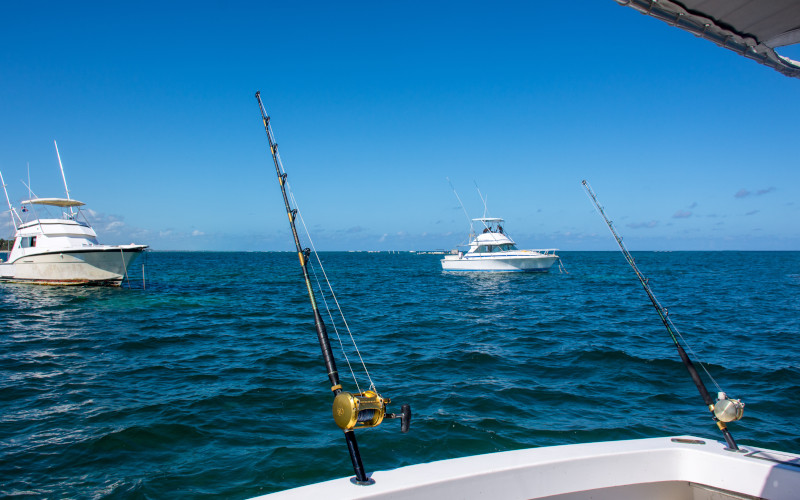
[375, 104]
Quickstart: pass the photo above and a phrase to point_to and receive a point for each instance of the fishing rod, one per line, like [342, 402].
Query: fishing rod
[350, 411]
[724, 410]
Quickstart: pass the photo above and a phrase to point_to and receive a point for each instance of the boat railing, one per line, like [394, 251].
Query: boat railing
[546, 251]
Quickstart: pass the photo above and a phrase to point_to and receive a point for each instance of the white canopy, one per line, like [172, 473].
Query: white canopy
[55, 202]
[488, 219]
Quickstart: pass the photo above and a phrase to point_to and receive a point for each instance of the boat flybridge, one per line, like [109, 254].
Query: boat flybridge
[62, 251]
[494, 251]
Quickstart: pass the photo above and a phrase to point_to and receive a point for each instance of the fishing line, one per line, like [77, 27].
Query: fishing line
[328, 309]
[330, 288]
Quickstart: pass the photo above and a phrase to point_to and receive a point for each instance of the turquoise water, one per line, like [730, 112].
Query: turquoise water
[210, 383]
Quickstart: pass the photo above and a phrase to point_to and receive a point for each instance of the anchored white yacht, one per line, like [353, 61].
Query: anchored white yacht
[62, 251]
[494, 250]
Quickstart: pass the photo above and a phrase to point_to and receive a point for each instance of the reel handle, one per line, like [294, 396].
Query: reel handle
[404, 416]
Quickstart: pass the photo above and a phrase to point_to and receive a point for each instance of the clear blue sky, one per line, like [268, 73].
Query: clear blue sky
[374, 104]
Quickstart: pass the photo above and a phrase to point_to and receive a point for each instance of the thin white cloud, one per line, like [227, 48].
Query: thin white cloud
[744, 193]
[637, 225]
[682, 214]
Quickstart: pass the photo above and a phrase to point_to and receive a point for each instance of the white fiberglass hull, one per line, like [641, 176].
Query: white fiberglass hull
[679, 468]
[101, 265]
[513, 262]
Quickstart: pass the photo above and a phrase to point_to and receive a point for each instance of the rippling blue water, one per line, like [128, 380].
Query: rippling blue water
[210, 382]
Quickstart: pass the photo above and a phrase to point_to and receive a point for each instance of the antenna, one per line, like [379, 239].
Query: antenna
[71, 213]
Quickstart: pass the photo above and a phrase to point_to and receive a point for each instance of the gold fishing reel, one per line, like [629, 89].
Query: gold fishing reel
[366, 409]
[728, 410]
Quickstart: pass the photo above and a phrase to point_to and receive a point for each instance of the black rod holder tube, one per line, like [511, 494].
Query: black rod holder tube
[728, 438]
[355, 457]
[322, 332]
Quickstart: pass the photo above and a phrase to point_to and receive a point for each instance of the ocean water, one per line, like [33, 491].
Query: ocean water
[209, 383]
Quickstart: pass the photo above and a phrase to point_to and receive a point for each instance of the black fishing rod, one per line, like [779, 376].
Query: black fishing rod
[350, 411]
[724, 410]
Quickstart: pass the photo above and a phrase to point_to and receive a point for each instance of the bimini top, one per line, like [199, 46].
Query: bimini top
[54, 202]
[488, 219]
[752, 28]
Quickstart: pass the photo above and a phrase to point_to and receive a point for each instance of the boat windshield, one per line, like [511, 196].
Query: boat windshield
[506, 247]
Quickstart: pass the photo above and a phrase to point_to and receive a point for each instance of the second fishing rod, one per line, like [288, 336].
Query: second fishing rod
[724, 410]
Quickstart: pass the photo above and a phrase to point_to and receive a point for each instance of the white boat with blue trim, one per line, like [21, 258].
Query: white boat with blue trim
[494, 251]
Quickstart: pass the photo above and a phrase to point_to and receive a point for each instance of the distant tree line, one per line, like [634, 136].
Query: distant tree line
[5, 245]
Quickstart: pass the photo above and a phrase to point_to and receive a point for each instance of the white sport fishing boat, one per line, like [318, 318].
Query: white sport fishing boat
[62, 251]
[494, 251]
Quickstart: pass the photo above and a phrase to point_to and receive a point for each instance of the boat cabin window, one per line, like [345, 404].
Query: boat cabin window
[29, 242]
[495, 248]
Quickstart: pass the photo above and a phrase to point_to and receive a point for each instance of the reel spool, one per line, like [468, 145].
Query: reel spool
[367, 409]
[728, 410]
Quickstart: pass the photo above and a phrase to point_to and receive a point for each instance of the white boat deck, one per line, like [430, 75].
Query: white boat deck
[660, 468]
